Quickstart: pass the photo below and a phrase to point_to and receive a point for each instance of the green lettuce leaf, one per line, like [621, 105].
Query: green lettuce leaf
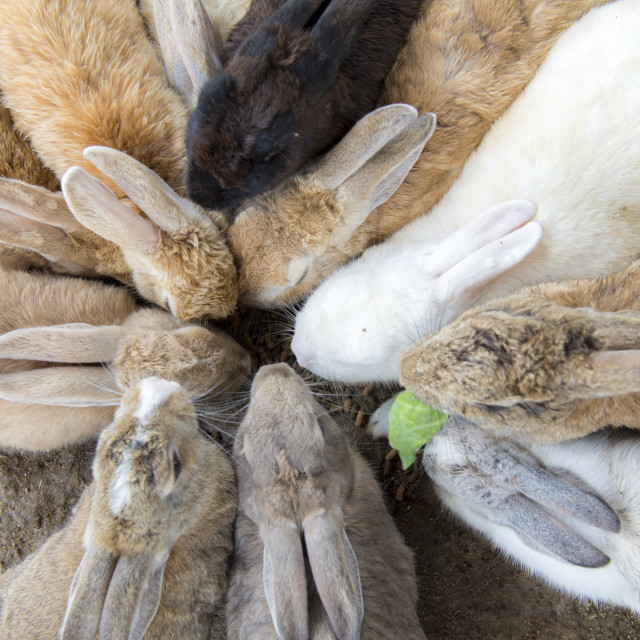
[411, 425]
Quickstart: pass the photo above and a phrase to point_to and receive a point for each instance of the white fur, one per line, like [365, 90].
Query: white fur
[568, 144]
[608, 462]
[153, 392]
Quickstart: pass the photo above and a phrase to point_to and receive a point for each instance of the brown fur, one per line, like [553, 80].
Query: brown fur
[33, 595]
[288, 471]
[465, 60]
[536, 363]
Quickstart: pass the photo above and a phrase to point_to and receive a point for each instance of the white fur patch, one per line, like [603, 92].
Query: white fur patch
[153, 392]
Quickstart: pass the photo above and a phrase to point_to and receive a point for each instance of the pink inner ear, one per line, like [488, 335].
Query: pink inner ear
[97, 208]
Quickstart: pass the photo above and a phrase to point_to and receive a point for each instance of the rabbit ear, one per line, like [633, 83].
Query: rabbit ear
[154, 196]
[611, 373]
[285, 583]
[293, 12]
[87, 595]
[470, 257]
[69, 343]
[190, 45]
[96, 207]
[133, 597]
[335, 573]
[61, 386]
[335, 34]
[364, 140]
[379, 178]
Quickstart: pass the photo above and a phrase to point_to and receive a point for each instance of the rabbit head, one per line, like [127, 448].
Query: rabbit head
[525, 365]
[286, 241]
[150, 342]
[257, 121]
[177, 255]
[152, 480]
[293, 475]
[358, 321]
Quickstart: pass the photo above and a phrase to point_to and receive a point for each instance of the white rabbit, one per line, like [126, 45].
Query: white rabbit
[566, 145]
[569, 512]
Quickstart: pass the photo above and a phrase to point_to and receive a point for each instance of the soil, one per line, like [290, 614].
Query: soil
[467, 589]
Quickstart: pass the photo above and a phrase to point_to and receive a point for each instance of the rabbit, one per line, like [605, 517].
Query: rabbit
[549, 363]
[291, 89]
[48, 320]
[568, 512]
[78, 75]
[298, 476]
[146, 551]
[465, 60]
[359, 320]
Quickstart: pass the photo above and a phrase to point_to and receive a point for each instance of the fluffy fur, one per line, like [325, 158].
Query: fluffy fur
[179, 512]
[465, 60]
[565, 146]
[297, 475]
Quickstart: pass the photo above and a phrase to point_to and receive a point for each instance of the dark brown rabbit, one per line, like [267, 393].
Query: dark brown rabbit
[301, 485]
[290, 90]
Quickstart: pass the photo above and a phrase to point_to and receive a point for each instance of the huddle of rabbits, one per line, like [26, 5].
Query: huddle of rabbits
[201, 153]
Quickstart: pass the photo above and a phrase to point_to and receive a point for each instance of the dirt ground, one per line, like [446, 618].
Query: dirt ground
[467, 590]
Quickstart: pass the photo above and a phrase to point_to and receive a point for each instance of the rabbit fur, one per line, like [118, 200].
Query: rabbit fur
[76, 75]
[297, 475]
[547, 363]
[301, 77]
[566, 512]
[586, 196]
[465, 60]
[152, 532]
[48, 320]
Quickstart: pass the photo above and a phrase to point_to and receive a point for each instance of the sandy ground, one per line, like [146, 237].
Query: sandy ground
[467, 590]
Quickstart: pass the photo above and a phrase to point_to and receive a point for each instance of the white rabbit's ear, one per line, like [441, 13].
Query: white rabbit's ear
[69, 343]
[335, 573]
[146, 188]
[381, 176]
[364, 140]
[98, 209]
[473, 255]
[139, 575]
[87, 595]
[190, 44]
[70, 386]
[284, 579]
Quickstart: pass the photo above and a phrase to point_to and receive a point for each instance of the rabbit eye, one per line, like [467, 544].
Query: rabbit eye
[177, 465]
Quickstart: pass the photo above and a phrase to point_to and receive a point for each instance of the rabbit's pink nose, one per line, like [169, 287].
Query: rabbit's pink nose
[303, 354]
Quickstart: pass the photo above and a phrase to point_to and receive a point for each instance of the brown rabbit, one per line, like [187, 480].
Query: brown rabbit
[297, 476]
[465, 60]
[146, 552]
[549, 363]
[102, 342]
[76, 74]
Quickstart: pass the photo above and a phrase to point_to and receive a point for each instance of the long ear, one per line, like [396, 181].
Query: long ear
[87, 595]
[97, 208]
[335, 573]
[379, 178]
[133, 597]
[154, 196]
[69, 343]
[364, 140]
[190, 45]
[611, 373]
[335, 35]
[284, 579]
[61, 386]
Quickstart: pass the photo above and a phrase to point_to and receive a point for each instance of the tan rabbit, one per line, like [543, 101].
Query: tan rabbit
[102, 343]
[465, 60]
[146, 552]
[77, 74]
[298, 479]
[548, 363]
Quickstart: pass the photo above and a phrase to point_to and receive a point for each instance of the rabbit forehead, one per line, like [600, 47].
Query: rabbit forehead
[192, 271]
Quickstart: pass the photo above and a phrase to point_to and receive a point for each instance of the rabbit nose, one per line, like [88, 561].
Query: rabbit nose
[303, 354]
